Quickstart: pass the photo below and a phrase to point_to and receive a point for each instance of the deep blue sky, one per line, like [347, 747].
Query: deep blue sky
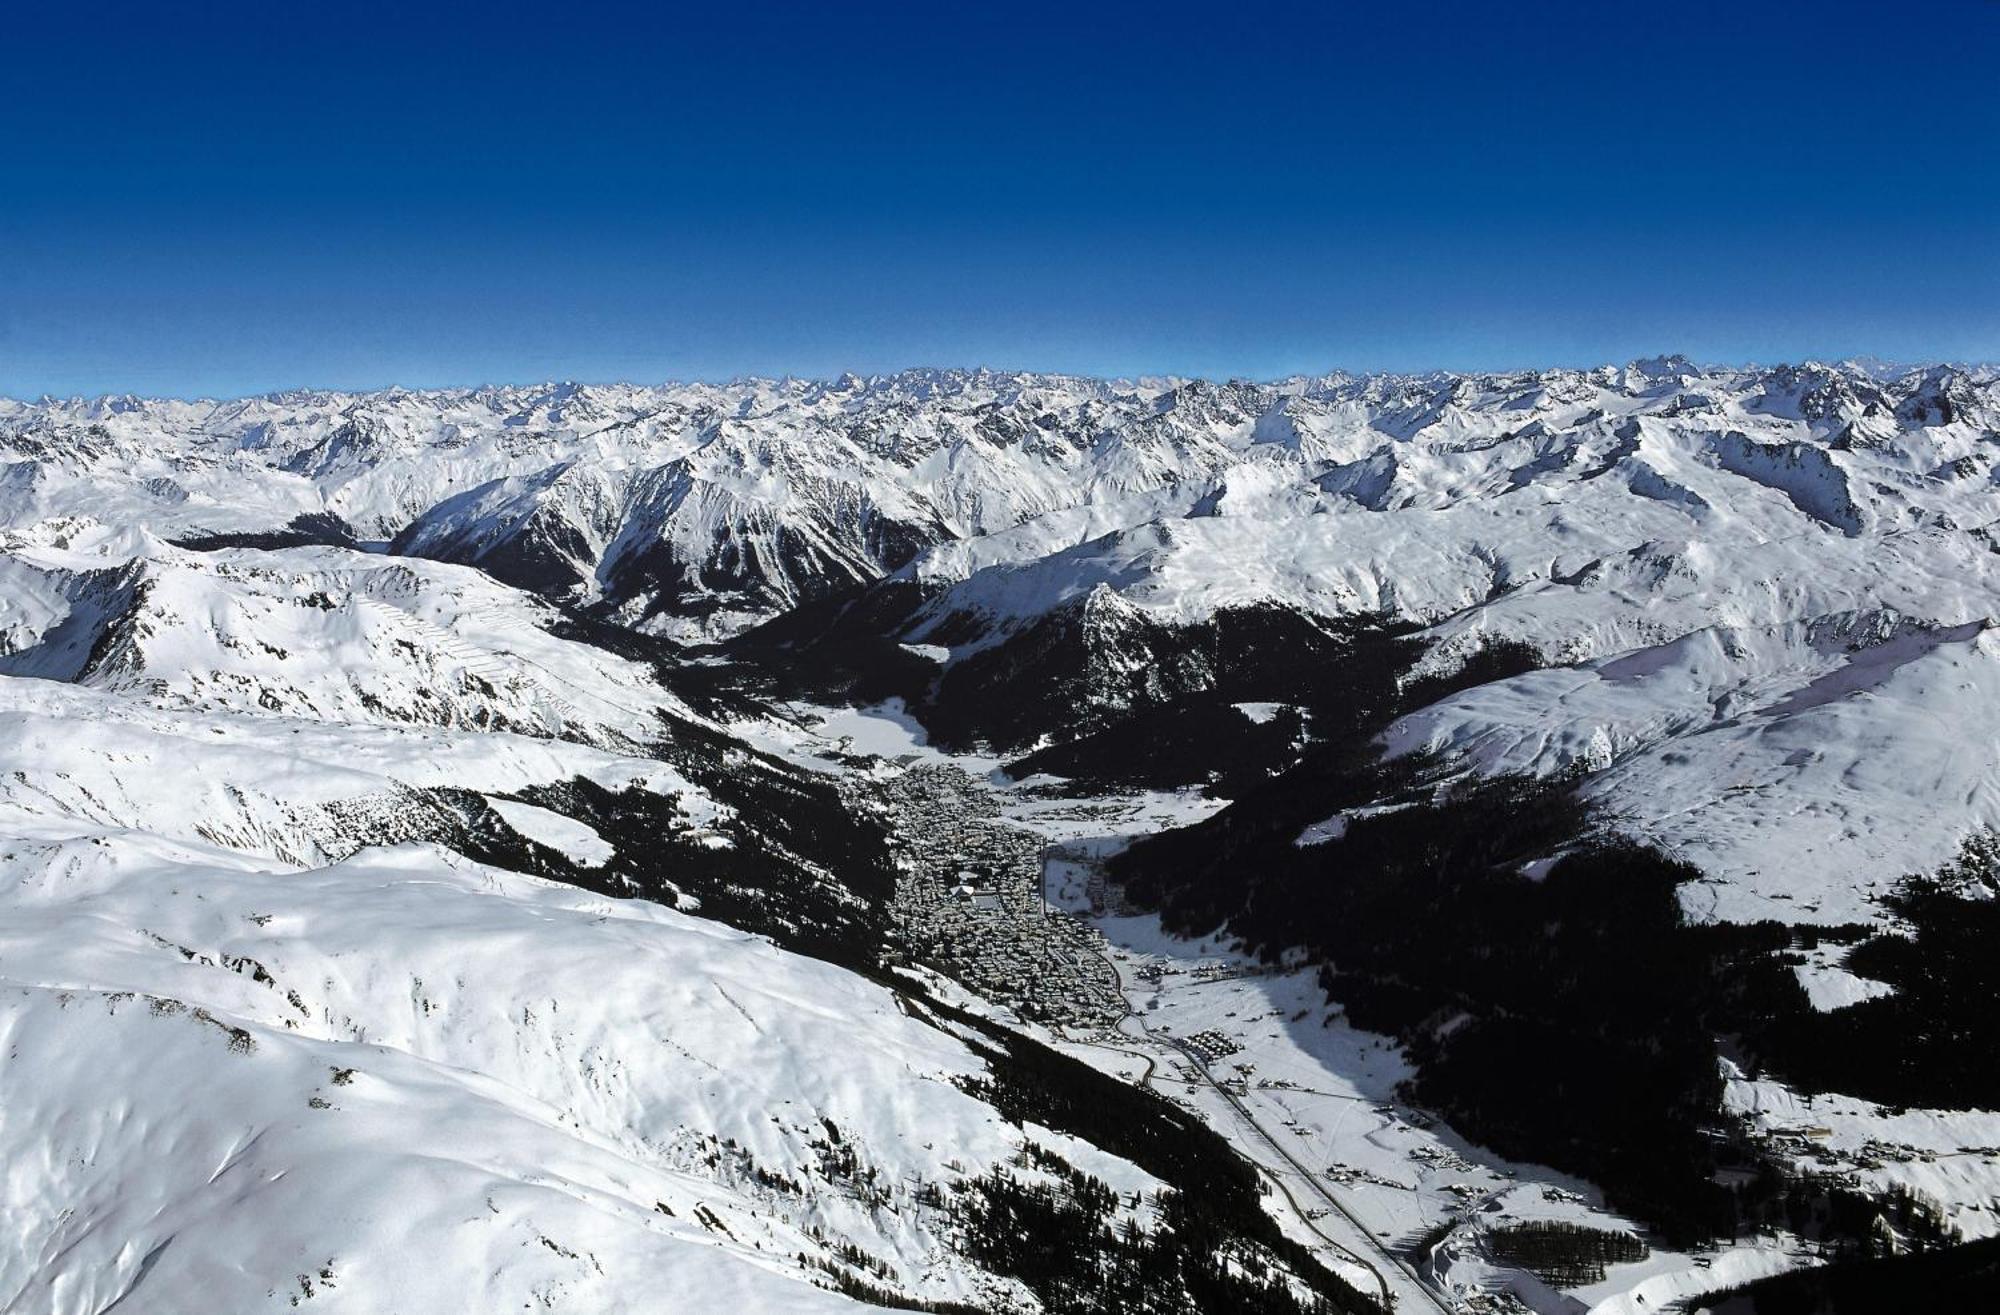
[223, 198]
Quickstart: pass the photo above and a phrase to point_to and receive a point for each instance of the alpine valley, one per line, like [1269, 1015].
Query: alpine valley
[988, 842]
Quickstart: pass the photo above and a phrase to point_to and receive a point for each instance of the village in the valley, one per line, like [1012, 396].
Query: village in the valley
[969, 903]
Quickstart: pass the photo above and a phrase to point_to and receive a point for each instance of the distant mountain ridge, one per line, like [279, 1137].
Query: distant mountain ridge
[696, 510]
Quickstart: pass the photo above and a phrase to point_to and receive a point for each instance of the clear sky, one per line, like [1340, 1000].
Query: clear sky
[219, 198]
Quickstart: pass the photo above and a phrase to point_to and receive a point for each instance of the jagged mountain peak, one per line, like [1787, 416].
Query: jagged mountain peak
[774, 491]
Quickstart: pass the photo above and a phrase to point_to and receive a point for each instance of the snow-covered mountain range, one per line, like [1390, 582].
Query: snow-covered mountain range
[697, 509]
[419, 893]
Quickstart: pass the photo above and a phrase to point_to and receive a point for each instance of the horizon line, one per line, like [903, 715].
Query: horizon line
[1870, 364]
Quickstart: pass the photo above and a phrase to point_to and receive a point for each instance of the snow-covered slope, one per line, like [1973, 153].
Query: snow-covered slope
[302, 696]
[326, 633]
[410, 1082]
[275, 1036]
[1805, 767]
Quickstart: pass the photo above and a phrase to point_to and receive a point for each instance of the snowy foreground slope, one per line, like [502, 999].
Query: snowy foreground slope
[407, 1082]
[288, 1020]
[396, 915]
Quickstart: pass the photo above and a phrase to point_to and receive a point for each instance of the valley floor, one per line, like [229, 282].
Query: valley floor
[1026, 927]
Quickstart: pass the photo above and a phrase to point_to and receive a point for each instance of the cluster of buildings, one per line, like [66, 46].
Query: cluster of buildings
[1210, 1045]
[1346, 1175]
[969, 904]
[1442, 1157]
